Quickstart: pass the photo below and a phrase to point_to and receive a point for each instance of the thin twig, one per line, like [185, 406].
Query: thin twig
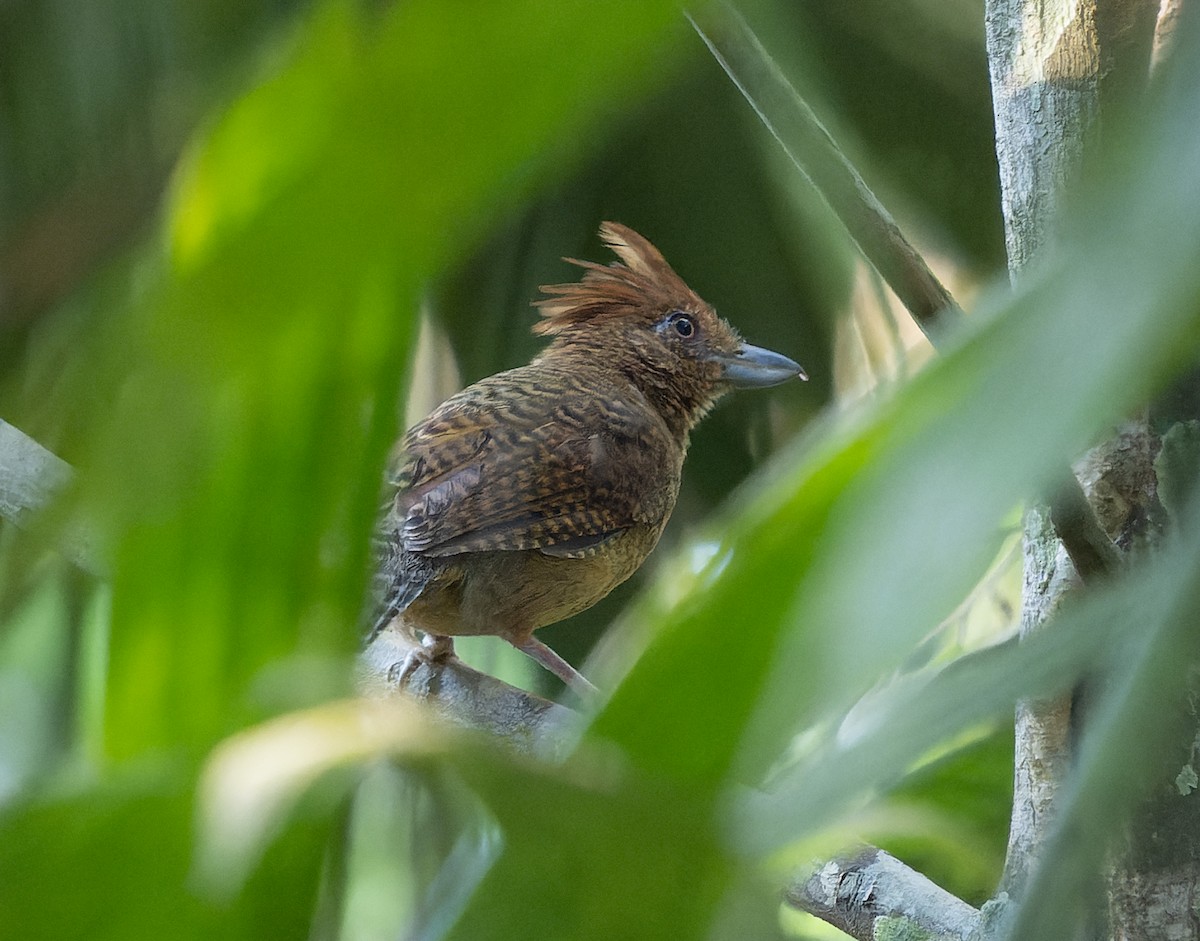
[816, 155]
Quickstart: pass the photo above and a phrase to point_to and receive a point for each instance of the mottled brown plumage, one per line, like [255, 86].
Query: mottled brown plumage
[530, 495]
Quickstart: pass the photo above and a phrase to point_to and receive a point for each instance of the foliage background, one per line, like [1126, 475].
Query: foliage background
[221, 224]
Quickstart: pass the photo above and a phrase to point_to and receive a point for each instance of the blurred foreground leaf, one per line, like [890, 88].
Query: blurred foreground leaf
[255, 381]
[595, 860]
[239, 403]
[115, 863]
[827, 573]
[1140, 734]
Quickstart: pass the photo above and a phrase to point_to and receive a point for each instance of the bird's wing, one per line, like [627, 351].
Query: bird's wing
[544, 474]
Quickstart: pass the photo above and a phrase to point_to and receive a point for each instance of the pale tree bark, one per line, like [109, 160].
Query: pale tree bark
[1044, 60]
[30, 476]
[1164, 29]
[463, 696]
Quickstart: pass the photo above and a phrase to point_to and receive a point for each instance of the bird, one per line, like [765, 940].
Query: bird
[528, 496]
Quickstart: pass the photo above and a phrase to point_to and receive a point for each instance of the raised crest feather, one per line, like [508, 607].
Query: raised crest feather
[640, 284]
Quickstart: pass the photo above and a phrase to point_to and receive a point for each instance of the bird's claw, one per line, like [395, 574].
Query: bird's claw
[431, 649]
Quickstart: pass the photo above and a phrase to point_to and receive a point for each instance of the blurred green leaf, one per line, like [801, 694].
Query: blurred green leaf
[868, 538]
[239, 408]
[114, 862]
[603, 853]
[254, 384]
[892, 729]
[960, 808]
[586, 860]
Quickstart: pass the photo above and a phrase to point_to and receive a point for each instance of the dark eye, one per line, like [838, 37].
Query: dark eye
[684, 325]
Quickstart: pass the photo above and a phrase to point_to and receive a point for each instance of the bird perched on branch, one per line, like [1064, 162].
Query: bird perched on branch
[530, 495]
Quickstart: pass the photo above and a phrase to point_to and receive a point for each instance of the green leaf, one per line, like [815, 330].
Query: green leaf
[113, 862]
[825, 575]
[595, 860]
[894, 727]
[253, 383]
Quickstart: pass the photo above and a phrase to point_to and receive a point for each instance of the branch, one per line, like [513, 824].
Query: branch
[1078, 528]
[31, 477]
[391, 666]
[1043, 726]
[872, 894]
[816, 155]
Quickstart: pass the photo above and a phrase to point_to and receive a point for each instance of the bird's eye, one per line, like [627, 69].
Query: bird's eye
[684, 325]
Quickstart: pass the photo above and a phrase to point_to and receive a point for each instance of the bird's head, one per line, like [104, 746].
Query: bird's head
[639, 316]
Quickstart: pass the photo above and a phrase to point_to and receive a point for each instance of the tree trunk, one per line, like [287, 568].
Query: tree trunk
[1055, 66]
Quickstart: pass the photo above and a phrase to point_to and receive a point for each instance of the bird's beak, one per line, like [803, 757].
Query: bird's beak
[752, 367]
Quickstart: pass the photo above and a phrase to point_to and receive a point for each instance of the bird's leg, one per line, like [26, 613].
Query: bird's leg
[538, 651]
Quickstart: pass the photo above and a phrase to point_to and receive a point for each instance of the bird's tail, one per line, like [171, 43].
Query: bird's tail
[398, 582]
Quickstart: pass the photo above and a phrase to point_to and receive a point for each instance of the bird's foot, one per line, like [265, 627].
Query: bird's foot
[437, 648]
[538, 651]
[430, 649]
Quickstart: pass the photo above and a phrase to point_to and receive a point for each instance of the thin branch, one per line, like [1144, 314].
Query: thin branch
[871, 894]
[816, 155]
[390, 666]
[31, 477]
[1043, 729]
[1078, 528]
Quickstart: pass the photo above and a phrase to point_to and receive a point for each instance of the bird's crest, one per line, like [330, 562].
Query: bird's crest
[641, 282]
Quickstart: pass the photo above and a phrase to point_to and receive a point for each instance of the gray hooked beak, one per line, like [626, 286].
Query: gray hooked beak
[752, 367]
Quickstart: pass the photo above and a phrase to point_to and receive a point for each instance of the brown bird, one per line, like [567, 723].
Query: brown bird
[530, 495]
